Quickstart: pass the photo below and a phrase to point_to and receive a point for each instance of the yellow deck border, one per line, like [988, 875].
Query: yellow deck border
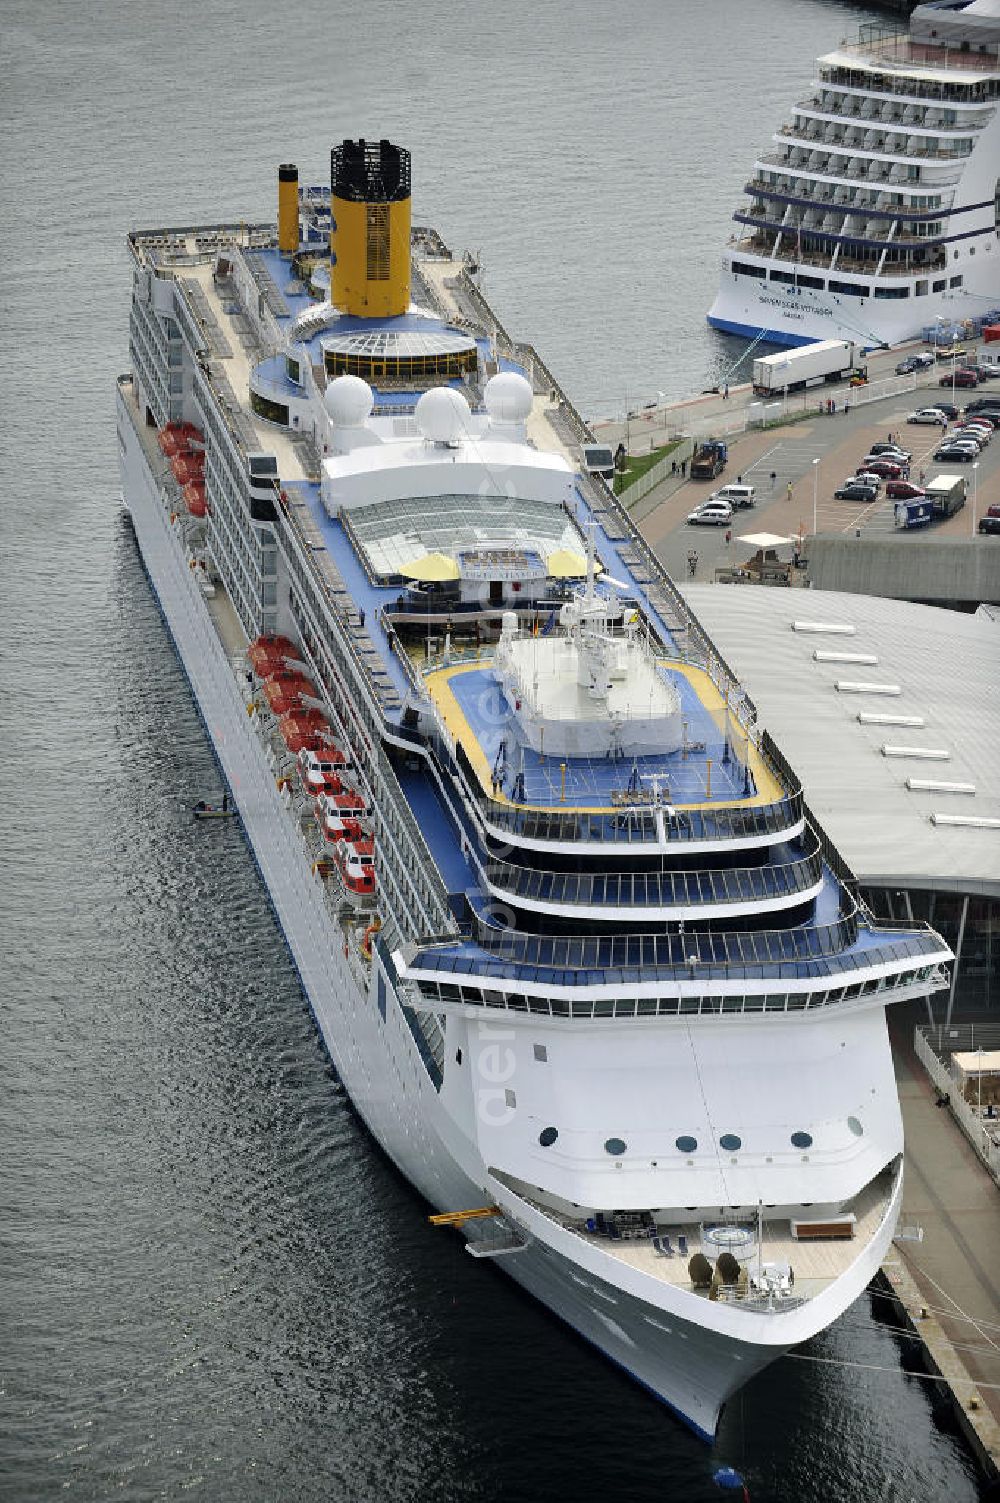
[769, 789]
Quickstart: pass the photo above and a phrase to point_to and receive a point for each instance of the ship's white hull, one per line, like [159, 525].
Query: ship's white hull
[751, 307]
[689, 1353]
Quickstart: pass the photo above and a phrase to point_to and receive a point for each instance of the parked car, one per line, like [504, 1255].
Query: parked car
[877, 464]
[984, 404]
[959, 440]
[963, 376]
[908, 366]
[711, 514]
[956, 453]
[949, 409]
[928, 415]
[979, 435]
[903, 490]
[856, 491]
[891, 451]
[990, 526]
[984, 372]
[865, 477]
[992, 511]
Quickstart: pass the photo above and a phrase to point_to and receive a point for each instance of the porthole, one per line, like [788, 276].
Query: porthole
[686, 1145]
[801, 1140]
[855, 1126]
[547, 1136]
[615, 1146]
[730, 1142]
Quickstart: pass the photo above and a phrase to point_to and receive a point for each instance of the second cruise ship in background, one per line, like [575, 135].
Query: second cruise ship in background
[590, 972]
[877, 212]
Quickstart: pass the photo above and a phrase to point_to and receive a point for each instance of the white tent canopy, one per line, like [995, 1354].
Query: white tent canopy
[764, 539]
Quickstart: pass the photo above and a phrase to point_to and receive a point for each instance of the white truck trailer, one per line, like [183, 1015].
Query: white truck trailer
[946, 493]
[807, 365]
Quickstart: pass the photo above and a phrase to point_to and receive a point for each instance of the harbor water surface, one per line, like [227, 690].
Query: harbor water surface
[211, 1283]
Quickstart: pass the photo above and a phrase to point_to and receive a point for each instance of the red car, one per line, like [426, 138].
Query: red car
[887, 468]
[962, 377]
[902, 490]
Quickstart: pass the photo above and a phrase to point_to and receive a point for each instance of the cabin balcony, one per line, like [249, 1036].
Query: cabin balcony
[907, 151]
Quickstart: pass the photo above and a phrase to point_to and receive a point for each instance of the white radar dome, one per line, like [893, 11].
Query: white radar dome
[508, 398]
[349, 401]
[443, 415]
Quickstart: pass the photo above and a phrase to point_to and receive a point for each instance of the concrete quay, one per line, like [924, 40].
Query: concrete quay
[948, 1284]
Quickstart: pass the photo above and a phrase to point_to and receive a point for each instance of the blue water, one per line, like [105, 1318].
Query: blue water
[211, 1285]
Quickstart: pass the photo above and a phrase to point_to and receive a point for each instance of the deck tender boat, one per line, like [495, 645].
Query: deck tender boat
[594, 978]
[874, 216]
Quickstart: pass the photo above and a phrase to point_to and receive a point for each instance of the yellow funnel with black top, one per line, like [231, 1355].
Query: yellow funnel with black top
[370, 229]
[288, 208]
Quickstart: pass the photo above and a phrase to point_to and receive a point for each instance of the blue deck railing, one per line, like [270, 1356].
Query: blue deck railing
[630, 890]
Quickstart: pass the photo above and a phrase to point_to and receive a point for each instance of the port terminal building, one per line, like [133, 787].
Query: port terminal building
[889, 713]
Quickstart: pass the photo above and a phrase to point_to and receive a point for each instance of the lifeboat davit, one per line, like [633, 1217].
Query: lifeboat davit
[339, 816]
[194, 498]
[270, 654]
[320, 765]
[285, 692]
[355, 861]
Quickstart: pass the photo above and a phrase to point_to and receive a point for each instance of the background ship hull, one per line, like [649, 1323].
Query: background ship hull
[746, 306]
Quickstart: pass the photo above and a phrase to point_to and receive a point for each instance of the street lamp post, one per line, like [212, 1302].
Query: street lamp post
[815, 493]
[975, 493]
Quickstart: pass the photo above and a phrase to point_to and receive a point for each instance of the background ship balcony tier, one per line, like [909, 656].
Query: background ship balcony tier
[761, 245]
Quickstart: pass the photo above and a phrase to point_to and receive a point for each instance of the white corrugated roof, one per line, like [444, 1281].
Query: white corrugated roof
[946, 666]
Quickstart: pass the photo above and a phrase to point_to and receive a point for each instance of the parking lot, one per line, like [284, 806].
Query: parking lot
[783, 457]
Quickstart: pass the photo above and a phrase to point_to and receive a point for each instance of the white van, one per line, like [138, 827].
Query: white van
[736, 495]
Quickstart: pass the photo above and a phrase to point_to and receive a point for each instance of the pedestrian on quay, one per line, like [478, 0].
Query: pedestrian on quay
[684, 465]
[774, 476]
[788, 491]
[725, 392]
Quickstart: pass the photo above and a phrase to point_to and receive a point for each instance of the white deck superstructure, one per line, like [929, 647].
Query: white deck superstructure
[575, 945]
[876, 212]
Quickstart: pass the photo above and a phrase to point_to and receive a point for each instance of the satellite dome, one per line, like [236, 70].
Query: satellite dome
[443, 415]
[508, 398]
[349, 401]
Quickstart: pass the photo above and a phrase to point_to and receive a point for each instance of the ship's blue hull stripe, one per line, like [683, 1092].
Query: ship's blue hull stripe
[752, 331]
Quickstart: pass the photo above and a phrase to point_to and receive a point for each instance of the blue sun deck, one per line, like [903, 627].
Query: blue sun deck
[706, 775]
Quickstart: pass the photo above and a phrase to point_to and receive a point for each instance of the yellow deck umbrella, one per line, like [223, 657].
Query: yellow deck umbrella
[563, 564]
[433, 567]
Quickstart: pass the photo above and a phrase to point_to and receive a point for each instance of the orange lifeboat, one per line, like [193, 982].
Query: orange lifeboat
[286, 690]
[194, 498]
[270, 654]
[305, 730]
[339, 816]
[179, 438]
[320, 765]
[188, 467]
[355, 861]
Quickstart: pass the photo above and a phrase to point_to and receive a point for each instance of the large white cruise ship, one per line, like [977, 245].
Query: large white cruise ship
[876, 215]
[589, 970]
